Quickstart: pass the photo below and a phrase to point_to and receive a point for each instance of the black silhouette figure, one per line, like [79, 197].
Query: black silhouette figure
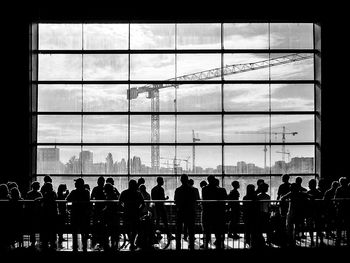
[234, 211]
[191, 184]
[185, 202]
[132, 204]
[97, 215]
[62, 193]
[80, 213]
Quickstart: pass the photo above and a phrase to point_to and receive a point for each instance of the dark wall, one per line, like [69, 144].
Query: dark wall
[15, 46]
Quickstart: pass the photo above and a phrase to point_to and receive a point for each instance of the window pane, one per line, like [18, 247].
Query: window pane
[59, 67]
[246, 159]
[141, 163]
[246, 128]
[105, 98]
[59, 129]
[58, 160]
[152, 36]
[297, 128]
[143, 100]
[105, 67]
[152, 66]
[299, 67]
[106, 36]
[246, 66]
[140, 128]
[60, 36]
[199, 97]
[207, 158]
[246, 97]
[59, 97]
[198, 36]
[104, 160]
[293, 36]
[292, 97]
[246, 36]
[105, 128]
[296, 159]
[205, 128]
[194, 63]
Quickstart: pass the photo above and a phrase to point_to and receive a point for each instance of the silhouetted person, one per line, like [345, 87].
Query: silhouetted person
[62, 193]
[259, 183]
[98, 194]
[49, 217]
[132, 203]
[16, 215]
[342, 207]
[47, 179]
[235, 211]
[146, 196]
[283, 189]
[80, 213]
[146, 237]
[330, 209]
[264, 214]
[185, 202]
[191, 184]
[115, 190]
[250, 216]
[157, 193]
[111, 218]
[298, 181]
[32, 210]
[140, 181]
[5, 220]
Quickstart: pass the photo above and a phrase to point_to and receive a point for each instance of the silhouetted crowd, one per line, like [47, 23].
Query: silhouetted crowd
[104, 214]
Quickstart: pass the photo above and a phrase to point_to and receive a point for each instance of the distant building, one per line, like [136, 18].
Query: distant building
[302, 165]
[48, 161]
[86, 161]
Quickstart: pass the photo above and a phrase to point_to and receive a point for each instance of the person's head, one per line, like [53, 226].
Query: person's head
[133, 185]
[190, 182]
[110, 180]
[312, 184]
[140, 181]
[298, 180]
[4, 191]
[47, 179]
[235, 184]
[343, 182]
[259, 182]
[250, 189]
[62, 188]
[108, 188]
[211, 179]
[100, 181]
[322, 183]
[142, 188]
[11, 185]
[203, 183]
[35, 186]
[285, 178]
[264, 187]
[184, 179]
[79, 183]
[335, 184]
[15, 194]
[160, 180]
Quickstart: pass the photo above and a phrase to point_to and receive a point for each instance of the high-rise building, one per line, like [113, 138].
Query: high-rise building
[86, 161]
[48, 161]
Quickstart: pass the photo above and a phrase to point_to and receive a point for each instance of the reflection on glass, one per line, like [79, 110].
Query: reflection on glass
[202, 97]
[58, 160]
[246, 36]
[246, 128]
[294, 159]
[140, 129]
[141, 160]
[105, 128]
[292, 97]
[291, 35]
[199, 159]
[57, 129]
[194, 127]
[246, 66]
[152, 66]
[246, 97]
[194, 63]
[60, 36]
[198, 36]
[105, 66]
[105, 98]
[297, 128]
[104, 160]
[59, 97]
[59, 67]
[106, 36]
[152, 36]
[246, 159]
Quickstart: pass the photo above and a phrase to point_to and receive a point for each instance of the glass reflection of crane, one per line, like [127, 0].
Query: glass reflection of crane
[152, 91]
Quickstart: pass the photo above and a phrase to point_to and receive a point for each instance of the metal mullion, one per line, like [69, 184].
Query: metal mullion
[129, 104]
[222, 106]
[173, 144]
[111, 20]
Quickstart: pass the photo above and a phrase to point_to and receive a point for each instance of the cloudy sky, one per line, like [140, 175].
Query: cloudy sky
[237, 97]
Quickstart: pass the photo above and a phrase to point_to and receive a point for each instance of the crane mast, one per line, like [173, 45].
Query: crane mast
[153, 94]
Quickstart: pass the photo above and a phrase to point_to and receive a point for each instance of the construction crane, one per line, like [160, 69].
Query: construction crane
[176, 162]
[194, 140]
[152, 90]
